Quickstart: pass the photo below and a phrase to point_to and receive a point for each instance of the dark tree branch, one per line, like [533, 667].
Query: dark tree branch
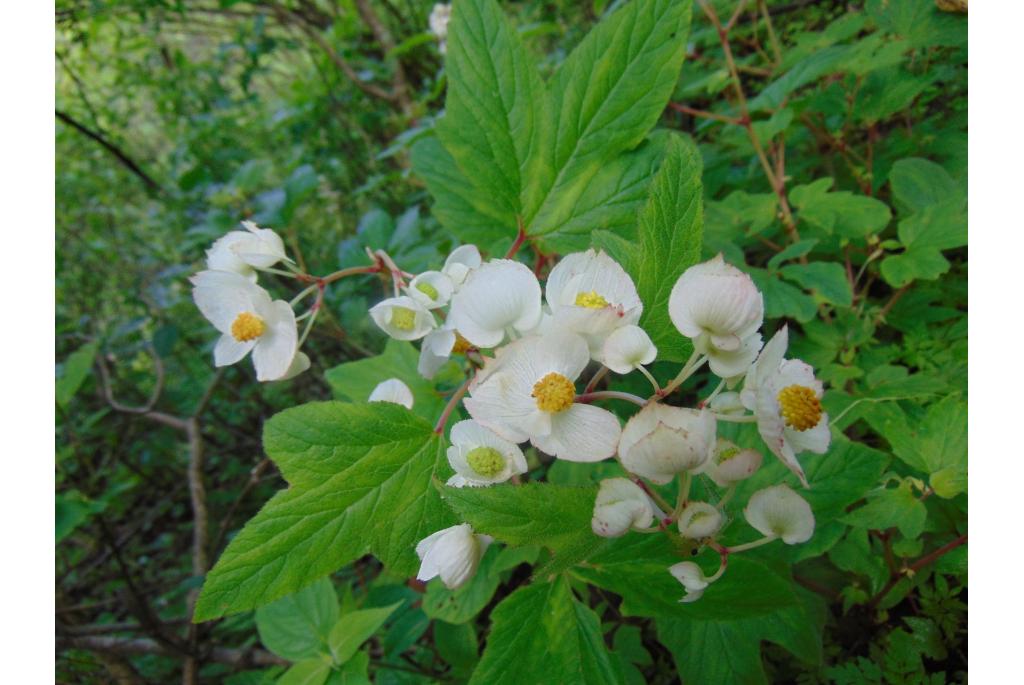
[151, 185]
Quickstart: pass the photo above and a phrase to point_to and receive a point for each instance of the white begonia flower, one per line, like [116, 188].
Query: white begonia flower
[403, 318]
[480, 457]
[249, 321]
[440, 15]
[392, 390]
[527, 392]
[627, 348]
[432, 289]
[699, 520]
[500, 296]
[460, 263]
[692, 577]
[590, 294]
[718, 307]
[730, 464]
[789, 414]
[660, 441]
[453, 554]
[777, 511]
[621, 504]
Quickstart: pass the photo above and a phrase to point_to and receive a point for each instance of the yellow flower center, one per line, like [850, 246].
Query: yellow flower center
[461, 344]
[590, 300]
[247, 326]
[554, 393]
[428, 290]
[403, 318]
[801, 407]
[486, 461]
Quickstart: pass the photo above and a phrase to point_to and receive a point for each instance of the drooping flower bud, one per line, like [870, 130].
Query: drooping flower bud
[699, 520]
[453, 554]
[692, 577]
[440, 15]
[620, 505]
[660, 441]
[718, 307]
[628, 348]
[779, 512]
[403, 318]
[432, 289]
[460, 262]
[392, 390]
[730, 463]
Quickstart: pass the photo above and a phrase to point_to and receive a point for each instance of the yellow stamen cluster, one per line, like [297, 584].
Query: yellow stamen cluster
[247, 326]
[590, 300]
[554, 393]
[428, 290]
[486, 461]
[461, 344]
[800, 406]
[403, 318]
[727, 454]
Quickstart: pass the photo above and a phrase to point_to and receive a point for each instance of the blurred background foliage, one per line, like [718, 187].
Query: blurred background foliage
[837, 175]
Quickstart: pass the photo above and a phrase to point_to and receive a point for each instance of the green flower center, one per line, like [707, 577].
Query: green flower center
[486, 461]
[727, 454]
[428, 290]
[403, 318]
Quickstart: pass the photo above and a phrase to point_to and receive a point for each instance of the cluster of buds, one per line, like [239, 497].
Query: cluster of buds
[528, 347]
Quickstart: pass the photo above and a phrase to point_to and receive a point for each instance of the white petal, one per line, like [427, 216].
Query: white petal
[735, 363]
[460, 262]
[815, 439]
[690, 575]
[300, 364]
[427, 281]
[220, 256]
[620, 505]
[661, 441]
[767, 364]
[435, 350]
[228, 350]
[222, 295]
[275, 349]
[581, 433]
[628, 348]
[779, 511]
[392, 390]
[262, 247]
[718, 299]
[500, 295]
[383, 314]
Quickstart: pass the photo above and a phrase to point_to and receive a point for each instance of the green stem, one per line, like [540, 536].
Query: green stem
[751, 545]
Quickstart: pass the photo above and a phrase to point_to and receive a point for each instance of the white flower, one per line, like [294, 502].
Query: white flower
[779, 512]
[220, 256]
[480, 457]
[432, 289]
[730, 464]
[660, 441]
[789, 414]
[692, 578]
[628, 348]
[720, 309]
[527, 392]
[403, 318]
[392, 390]
[453, 553]
[500, 296]
[460, 262]
[621, 504]
[440, 15]
[699, 520]
[767, 363]
[243, 251]
[249, 321]
[590, 294]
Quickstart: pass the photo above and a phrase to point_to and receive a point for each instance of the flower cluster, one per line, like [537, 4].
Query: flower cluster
[528, 347]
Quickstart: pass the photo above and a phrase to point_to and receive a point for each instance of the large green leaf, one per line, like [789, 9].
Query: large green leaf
[361, 482]
[74, 372]
[605, 98]
[355, 628]
[918, 183]
[495, 124]
[297, 626]
[542, 634]
[554, 516]
[828, 279]
[670, 228]
[840, 212]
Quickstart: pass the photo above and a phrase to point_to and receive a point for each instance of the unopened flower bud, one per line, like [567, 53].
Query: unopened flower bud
[432, 289]
[392, 390]
[730, 463]
[621, 504]
[453, 554]
[777, 511]
[660, 441]
[692, 577]
[627, 348]
[699, 520]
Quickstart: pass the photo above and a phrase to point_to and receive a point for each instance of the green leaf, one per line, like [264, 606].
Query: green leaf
[669, 238]
[782, 299]
[308, 672]
[542, 634]
[360, 479]
[71, 510]
[554, 516]
[354, 381]
[457, 645]
[495, 126]
[918, 183]
[913, 265]
[75, 370]
[891, 508]
[828, 279]
[606, 96]
[793, 251]
[296, 627]
[841, 212]
[741, 214]
[355, 628]
[355, 671]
